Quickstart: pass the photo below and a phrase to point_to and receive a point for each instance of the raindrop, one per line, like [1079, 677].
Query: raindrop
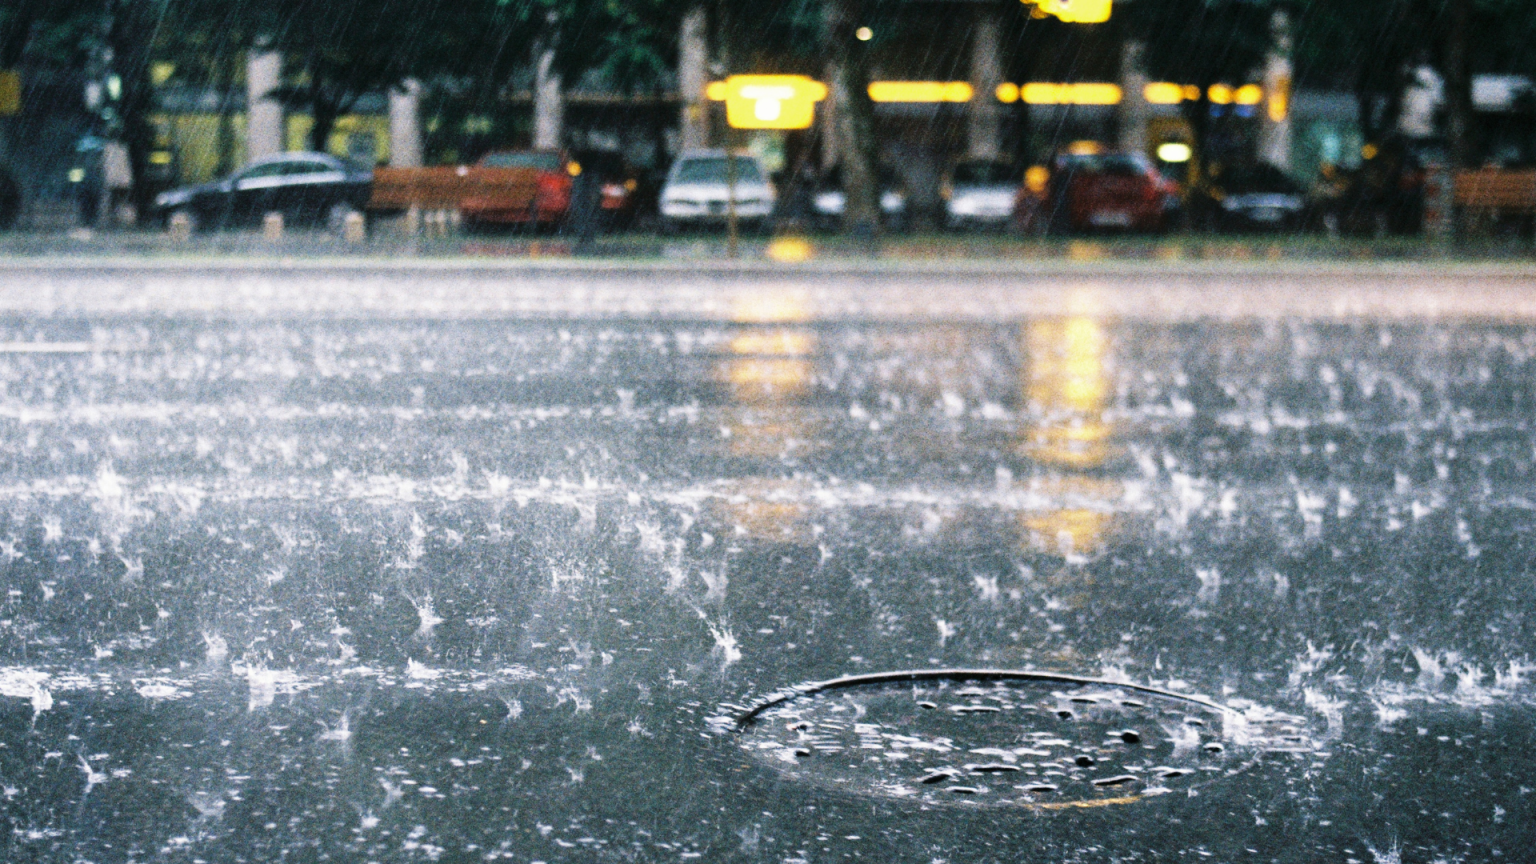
[1085, 761]
[928, 705]
[1037, 788]
[964, 790]
[1121, 780]
[991, 768]
[938, 776]
[1130, 736]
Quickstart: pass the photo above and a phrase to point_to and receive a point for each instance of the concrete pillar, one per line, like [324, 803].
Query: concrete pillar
[405, 125]
[548, 105]
[986, 113]
[1275, 122]
[264, 116]
[693, 78]
[1133, 102]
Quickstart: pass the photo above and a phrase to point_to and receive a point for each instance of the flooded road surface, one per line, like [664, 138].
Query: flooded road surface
[400, 585]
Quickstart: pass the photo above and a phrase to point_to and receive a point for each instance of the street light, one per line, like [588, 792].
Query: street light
[1075, 11]
[769, 101]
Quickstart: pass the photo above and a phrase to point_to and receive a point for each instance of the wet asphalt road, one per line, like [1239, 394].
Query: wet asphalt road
[371, 565]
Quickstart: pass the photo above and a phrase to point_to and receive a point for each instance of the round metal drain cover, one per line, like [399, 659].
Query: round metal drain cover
[1009, 738]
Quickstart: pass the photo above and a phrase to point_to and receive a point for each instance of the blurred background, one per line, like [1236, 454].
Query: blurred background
[1376, 118]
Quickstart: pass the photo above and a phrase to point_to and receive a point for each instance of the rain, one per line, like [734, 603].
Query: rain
[925, 431]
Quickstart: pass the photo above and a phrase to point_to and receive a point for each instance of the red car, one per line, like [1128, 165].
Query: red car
[1099, 192]
[542, 199]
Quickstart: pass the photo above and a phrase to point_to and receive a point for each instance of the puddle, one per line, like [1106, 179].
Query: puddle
[1006, 738]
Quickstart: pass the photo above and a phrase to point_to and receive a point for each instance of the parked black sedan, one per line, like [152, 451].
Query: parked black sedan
[306, 188]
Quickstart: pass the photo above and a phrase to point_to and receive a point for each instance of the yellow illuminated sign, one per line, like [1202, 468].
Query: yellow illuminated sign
[1075, 11]
[1248, 94]
[1169, 93]
[769, 101]
[10, 92]
[1163, 93]
[920, 91]
[1041, 93]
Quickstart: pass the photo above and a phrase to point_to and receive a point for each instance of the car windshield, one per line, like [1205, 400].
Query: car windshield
[986, 174]
[716, 169]
[1260, 179]
[1132, 462]
[1111, 164]
[526, 159]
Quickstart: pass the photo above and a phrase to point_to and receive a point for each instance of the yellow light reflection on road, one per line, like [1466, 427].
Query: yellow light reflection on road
[790, 250]
[1066, 384]
[767, 372]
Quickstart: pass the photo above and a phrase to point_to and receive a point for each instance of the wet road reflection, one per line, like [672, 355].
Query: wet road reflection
[478, 590]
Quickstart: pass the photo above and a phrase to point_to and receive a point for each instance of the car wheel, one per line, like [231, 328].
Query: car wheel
[336, 217]
[186, 215]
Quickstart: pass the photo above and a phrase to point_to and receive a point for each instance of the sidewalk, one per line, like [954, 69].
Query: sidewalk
[946, 252]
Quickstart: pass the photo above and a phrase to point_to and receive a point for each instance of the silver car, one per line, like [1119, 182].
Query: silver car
[698, 191]
[980, 194]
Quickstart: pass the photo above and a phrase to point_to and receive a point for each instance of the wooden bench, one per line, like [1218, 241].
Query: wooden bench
[451, 187]
[1496, 190]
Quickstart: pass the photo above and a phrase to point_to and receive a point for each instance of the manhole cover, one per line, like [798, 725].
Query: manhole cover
[1007, 738]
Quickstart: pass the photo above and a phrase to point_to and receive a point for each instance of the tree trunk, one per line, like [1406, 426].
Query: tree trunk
[1458, 80]
[322, 112]
[130, 37]
[225, 81]
[855, 117]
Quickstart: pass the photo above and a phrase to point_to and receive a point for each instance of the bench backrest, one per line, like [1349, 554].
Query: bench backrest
[1497, 189]
[448, 188]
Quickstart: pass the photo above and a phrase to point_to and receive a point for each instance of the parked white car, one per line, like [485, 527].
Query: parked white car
[697, 191]
[979, 194]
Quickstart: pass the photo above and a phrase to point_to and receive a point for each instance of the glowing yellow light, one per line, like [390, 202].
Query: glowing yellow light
[1042, 93]
[1163, 93]
[1280, 100]
[160, 157]
[573, 169]
[1096, 94]
[790, 250]
[864, 34]
[1077, 11]
[1370, 151]
[774, 343]
[77, 175]
[1191, 93]
[771, 307]
[1008, 93]
[768, 101]
[920, 91]
[1175, 152]
[1220, 94]
[1085, 148]
[1037, 178]
[159, 73]
[1249, 94]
